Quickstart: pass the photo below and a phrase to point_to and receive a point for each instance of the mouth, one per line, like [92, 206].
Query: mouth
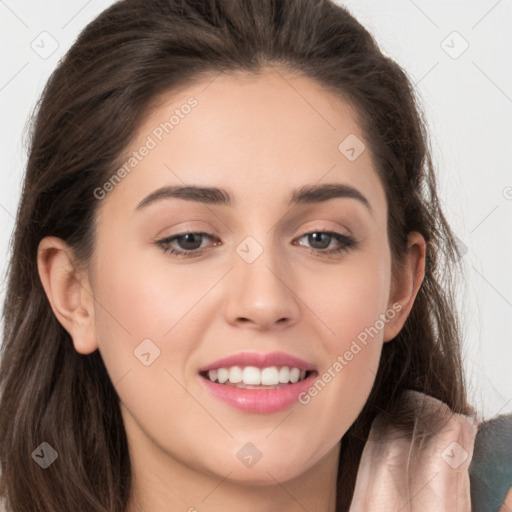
[258, 383]
[258, 398]
[252, 377]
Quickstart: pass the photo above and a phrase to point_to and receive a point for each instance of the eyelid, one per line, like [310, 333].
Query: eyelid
[306, 231]
[316, 228]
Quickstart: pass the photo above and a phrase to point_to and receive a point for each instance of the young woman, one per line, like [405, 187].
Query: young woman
[231, 284]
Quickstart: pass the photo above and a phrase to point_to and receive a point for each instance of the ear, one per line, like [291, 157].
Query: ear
[68, 292]
[405, 286]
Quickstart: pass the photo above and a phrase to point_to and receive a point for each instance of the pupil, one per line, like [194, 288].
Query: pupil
[318, 235]
[188, 237]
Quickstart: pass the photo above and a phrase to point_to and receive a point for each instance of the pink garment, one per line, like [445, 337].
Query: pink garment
[427, 474]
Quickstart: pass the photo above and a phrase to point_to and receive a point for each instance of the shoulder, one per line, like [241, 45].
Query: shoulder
[490, 471]
[466, 462]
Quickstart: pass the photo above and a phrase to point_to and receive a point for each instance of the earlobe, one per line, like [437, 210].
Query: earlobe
[406, 285]
[68, 292]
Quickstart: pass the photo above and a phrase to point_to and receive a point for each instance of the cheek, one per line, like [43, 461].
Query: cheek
[140, 298]
[145, 338]
[144, 294]
[353, 310]
[350, 299]
[344, 383]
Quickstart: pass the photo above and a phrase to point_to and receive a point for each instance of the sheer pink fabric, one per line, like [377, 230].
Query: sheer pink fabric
[425, 470]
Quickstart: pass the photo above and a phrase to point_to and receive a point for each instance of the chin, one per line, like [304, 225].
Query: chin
[266, 472]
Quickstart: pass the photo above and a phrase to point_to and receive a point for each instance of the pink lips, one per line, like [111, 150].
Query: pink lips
[260, 400]
[260, 361]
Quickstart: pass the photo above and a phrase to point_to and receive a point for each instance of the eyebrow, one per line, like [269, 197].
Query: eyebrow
[308, 194]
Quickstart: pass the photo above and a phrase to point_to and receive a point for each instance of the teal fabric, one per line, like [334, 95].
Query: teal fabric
[490, 471]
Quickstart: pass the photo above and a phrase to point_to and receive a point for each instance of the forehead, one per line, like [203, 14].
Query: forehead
[257, 135]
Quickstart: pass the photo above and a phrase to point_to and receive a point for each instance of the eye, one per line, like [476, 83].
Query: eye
[190, 243]
[324, 238]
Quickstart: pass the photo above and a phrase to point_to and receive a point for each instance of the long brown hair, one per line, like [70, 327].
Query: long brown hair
[88, 113]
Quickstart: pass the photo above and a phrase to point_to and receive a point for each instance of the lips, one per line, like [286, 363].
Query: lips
[282, 378]
[260, 361]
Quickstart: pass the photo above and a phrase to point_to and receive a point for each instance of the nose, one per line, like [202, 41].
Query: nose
[261, 294]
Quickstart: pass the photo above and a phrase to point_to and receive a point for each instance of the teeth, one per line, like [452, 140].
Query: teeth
[251, 375]
[269, 376]
[284, 374]
[235, 374]
[294, 375]
[222, 375]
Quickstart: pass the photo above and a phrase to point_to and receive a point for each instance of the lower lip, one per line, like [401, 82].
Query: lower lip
[259, 400]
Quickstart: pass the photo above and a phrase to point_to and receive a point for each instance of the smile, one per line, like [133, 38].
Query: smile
[250, 377]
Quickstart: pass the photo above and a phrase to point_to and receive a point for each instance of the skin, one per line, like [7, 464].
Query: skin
[507, 504]
[260, 138]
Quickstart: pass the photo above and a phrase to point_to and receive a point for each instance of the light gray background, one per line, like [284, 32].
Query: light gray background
[467, 98]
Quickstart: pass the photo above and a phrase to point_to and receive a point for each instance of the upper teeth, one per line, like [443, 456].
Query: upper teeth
[269, 376]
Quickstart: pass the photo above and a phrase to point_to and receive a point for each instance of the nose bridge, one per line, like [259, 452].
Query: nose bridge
[259, 292]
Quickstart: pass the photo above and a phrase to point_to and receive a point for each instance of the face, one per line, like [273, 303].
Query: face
[255, 276]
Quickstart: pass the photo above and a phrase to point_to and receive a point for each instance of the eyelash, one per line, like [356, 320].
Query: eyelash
[348, 244]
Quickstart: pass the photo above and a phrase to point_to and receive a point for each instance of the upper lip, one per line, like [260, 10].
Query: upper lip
[260, 361]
